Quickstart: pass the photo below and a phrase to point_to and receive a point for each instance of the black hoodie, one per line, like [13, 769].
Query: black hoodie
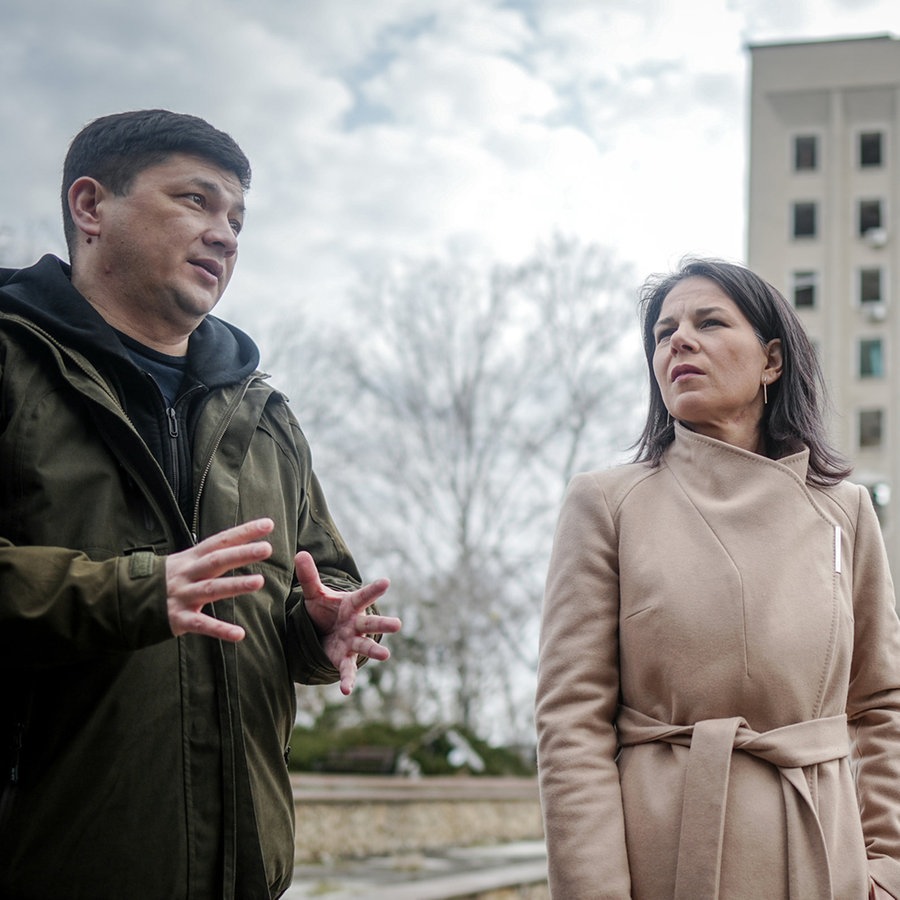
[218, 354]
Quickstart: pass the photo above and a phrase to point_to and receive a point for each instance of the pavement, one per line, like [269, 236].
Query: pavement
[423, 875]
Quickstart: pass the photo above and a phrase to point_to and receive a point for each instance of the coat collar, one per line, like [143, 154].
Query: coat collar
[718, 468]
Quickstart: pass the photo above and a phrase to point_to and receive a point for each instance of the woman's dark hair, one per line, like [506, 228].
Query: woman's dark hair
[793, 415]
[115, 149]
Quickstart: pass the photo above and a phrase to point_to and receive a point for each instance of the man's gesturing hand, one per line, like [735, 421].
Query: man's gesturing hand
[342, 620]
[196, 576]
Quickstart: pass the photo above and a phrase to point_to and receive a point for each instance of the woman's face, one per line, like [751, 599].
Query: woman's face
[710, 365]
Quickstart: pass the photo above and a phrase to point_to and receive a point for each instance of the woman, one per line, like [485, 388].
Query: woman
[718, 703]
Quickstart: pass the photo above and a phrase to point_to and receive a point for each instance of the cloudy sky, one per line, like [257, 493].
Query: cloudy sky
[382, 129]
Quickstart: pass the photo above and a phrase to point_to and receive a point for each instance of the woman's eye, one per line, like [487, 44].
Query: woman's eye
[663, 335]
[710, 323]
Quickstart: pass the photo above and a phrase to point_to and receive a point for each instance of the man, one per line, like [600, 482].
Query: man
[161, 538]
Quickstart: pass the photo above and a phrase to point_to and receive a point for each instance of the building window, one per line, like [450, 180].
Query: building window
[869, 215]
[804, 220]
[871, 427]
[804, 289]
[805, 153]
[869, 149]
[871, 358]
[870, 286]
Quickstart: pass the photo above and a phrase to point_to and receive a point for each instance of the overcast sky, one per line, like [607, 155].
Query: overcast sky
[379, 129]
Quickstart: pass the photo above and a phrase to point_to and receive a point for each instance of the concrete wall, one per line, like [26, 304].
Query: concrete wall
[376, 815]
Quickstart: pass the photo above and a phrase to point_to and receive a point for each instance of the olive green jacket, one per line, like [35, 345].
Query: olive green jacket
[141, 765]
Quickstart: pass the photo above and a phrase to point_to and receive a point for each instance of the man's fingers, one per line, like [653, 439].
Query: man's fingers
[311, 584]
[198, 576]
[368, 594]
[199, 623]
[348, 675]
[378, 624]
[217, 562]
[203, 592]
[232, 548]
[240, 534]
[307, 574]
[366, 646]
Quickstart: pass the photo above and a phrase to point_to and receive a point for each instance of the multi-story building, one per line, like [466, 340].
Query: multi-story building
[824, 227]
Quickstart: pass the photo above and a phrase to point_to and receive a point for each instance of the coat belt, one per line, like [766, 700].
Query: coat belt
[712, 743]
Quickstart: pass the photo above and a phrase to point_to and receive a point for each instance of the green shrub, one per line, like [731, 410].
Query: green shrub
[379, 748]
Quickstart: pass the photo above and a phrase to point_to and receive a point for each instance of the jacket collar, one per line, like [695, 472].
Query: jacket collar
[218, 352]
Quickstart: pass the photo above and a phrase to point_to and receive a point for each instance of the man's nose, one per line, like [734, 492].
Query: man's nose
[221, 232]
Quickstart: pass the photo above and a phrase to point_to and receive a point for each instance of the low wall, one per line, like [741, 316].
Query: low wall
[375, 815]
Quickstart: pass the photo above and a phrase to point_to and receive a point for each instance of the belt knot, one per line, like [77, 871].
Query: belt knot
[712, 744]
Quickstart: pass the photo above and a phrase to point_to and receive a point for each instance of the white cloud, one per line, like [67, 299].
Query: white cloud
[447, 88]
[402, 127]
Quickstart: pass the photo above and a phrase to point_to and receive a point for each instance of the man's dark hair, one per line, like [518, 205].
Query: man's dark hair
[115, 149]
[793, 415]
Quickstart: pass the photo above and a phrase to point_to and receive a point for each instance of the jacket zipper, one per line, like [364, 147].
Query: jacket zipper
[172, 417]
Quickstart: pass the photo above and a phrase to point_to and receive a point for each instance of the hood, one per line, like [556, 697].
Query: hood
[218, 353]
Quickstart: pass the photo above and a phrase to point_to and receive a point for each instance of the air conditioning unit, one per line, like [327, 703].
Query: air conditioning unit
[875, 237]
[875, 312]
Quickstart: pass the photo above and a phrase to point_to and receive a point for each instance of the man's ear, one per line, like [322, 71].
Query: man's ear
[84, 197]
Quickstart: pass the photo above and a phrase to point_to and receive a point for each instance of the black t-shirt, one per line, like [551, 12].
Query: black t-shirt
[167, 371]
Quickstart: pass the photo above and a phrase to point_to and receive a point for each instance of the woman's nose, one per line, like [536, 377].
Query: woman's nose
[682, 340]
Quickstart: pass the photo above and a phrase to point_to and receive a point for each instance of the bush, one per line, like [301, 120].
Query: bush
[378, 748]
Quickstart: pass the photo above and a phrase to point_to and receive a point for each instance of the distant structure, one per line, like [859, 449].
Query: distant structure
[824, 227]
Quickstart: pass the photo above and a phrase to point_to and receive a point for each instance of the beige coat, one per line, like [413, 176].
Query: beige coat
[719, 654]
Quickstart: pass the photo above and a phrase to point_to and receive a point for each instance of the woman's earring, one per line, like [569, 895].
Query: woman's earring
[765, 392]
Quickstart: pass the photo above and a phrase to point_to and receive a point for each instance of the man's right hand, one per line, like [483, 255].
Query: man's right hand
[196, 576]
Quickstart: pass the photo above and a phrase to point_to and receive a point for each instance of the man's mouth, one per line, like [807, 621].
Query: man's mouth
[208, 265]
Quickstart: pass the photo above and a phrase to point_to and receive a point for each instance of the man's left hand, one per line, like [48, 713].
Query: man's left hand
[342, 620]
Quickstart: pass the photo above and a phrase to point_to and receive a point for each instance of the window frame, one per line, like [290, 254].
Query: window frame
[810, 207]
[812, 145]
[864, 274]
[870, 444]
[861, 137]
[805, 280]
[870, 363]
[865, 207]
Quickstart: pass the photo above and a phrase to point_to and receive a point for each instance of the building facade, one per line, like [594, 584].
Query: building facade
[824, 227]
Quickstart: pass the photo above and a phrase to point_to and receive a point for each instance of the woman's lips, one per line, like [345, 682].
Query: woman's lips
[683, 371]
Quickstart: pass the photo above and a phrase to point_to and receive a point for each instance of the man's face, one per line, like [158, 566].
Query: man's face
[169, 246]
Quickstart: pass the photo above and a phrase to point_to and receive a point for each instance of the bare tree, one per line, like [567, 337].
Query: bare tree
[470, 396]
